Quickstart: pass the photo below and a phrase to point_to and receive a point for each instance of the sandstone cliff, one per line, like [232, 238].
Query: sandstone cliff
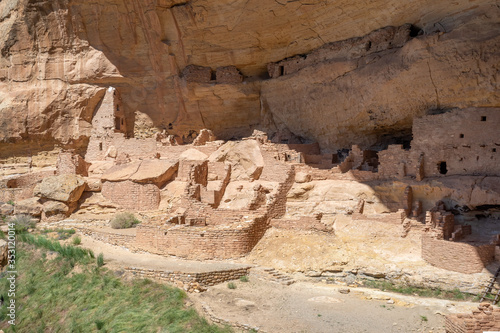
[57, 58]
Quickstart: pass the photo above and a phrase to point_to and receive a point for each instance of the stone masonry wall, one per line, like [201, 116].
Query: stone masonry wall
[200, 242]
[485, 318]
[376, 41]
[465, 140]
[190, 281]
[132, 195]
[455, 256]
[127, 241]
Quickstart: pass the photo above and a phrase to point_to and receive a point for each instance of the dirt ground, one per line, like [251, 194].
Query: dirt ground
[320, 308]
[311, 307]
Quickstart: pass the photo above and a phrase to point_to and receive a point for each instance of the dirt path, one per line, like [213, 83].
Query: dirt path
[300, 307]
[321, 308]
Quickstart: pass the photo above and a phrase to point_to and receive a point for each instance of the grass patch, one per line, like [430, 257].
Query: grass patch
[231, 285]
[123, 221]
[22, 223]
[62, 234]
[100, 260]
[454, 294]
[76, 240]
[423, 318]
[244, 278]
[52, 297]
[67, 251]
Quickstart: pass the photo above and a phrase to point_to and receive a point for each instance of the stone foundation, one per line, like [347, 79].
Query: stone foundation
[485, 318]
[190, 281]
[456, 256]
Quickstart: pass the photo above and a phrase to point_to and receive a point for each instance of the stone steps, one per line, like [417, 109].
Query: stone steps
[270, 274]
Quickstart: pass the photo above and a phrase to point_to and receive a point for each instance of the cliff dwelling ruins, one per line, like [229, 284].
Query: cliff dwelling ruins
[290, 142]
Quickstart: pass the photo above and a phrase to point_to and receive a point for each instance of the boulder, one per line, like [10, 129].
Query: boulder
[4, 251]
[148, 171]
[93, 184]
[65, 188]
[57, 208]
[192, 155]
[302, 177]
[6, 209]
[244, 156]
[204, 137]
[155, 171]
[31, 206]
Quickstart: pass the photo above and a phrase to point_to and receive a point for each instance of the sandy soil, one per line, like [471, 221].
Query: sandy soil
[321, 308]
[300, 307]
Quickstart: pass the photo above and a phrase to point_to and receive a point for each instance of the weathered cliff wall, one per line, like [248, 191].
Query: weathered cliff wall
[58, 57]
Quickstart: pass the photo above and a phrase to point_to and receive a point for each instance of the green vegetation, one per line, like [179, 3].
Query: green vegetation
[423, 318]
[100, 260]
[123, 221]
[454, 294]
[62, 234]
[11, 202]
[22, 223]
[231, 285]
[76, 240]
[67, 251]
[53, 296]
[244, 278]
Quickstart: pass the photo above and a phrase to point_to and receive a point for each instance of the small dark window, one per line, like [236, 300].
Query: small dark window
[117, 108]
[170, 126]
[442, 168]
[483, 118]
[122, 121]
[461, 136]
[100, 146]
[282, 70]
[494, 150]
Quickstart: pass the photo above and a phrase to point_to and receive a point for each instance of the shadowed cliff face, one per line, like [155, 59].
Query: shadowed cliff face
[57, 57]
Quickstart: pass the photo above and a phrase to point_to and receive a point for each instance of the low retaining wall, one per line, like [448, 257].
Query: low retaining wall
[457, 256]
[485, 318]
[127, 241]
[190, 281]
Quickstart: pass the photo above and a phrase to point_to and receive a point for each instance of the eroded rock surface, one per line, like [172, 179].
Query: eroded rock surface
[65, 188]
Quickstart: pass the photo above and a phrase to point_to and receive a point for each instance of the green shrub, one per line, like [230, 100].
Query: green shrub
[423, 318]
[10, 202]
[123, 221]
[100, 260]
[22, 223]
[99, 324]
[244, 278]
[231, 285]
[77, 240]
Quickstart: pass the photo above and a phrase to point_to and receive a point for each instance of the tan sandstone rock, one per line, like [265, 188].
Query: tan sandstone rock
[31, 206]
[147, 171]
[204, 137]
[3, 253]
[65, 188]
[57, 209]
[245, 158]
